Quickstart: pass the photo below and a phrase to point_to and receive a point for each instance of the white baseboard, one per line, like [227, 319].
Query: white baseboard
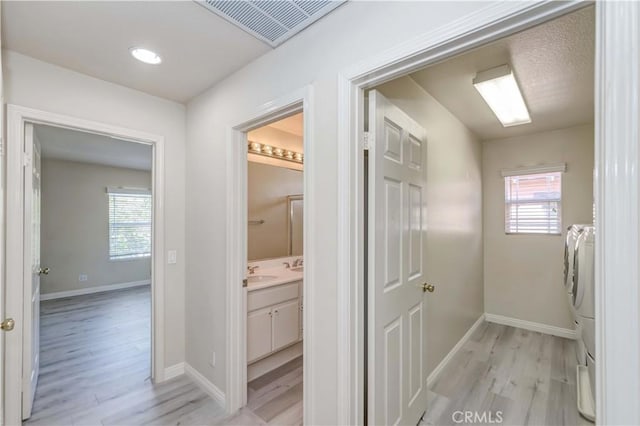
[433, 376]
[174, 371]
[91, 290]
[532, 326]
[213, 391]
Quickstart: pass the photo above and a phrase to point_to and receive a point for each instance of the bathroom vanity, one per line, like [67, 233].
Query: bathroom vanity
[274, 318]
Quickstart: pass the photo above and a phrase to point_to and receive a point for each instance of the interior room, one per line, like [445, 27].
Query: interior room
[501, 197]
[275, 265]
[92, 220]
[319, 212]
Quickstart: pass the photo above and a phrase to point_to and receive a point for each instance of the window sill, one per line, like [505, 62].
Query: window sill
[129, 258]
[540, 234]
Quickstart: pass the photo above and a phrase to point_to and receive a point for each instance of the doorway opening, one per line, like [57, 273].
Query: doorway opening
[275, 267]
[296, 107]
[92, 220]
[472, 205]
[88, 292]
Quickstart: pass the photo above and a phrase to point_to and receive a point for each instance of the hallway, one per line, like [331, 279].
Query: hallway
[95, 366]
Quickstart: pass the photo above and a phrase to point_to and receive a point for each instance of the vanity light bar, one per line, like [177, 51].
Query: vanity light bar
[275, 152]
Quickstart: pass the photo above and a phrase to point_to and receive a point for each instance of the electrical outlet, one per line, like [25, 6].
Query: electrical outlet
[212, 361]
[83, 277]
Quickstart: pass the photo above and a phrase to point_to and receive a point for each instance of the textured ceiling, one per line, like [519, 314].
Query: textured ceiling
[93, 37]
[554, 65]
[73, 145]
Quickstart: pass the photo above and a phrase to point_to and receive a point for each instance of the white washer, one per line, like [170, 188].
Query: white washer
[584, 303]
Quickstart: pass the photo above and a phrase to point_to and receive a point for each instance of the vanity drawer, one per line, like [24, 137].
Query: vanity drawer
[273, 295]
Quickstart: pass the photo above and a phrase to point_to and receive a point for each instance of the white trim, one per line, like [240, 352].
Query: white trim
[212, 390]
[488, 24]
[435, 373]
[567, 333]
[91, 290]
[173, 371]
[17, 116]
[236, 297]
[534, 170]
[617, 189]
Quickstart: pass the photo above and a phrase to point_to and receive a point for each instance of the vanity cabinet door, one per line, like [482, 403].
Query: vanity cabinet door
[258, 334]
[286, 324]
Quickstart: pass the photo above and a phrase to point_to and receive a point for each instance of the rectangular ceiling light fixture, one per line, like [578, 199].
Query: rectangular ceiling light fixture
[500, 91]
[272, 21]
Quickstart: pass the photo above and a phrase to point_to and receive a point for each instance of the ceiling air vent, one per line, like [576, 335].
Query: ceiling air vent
[272, 21]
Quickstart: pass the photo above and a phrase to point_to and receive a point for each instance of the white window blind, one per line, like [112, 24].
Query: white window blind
[129, 224]
[533, 203]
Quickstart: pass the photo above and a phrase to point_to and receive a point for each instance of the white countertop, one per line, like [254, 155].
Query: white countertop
[281, 275]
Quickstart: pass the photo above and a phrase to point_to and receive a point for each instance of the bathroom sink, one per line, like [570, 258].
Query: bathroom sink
[260, 278]
[297, 269]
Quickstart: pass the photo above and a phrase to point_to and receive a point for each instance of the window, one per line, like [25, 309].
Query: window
[129, 224]
[532, 203]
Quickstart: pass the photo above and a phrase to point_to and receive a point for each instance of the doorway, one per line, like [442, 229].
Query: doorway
[293, 342]
[128, 243]
[494, 255]
[275, 268]
[614, 145]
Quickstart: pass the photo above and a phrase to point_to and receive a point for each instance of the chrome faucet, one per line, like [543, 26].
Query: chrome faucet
[252, 269]
[297, 262]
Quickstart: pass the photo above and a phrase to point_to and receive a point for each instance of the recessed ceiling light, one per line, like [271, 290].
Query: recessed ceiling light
[500, 91]
[145, 55]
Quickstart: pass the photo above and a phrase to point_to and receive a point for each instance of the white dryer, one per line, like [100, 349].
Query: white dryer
[573, 232]
[583, 275]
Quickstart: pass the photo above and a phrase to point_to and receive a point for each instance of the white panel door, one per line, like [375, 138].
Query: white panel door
[31, 346]
[397, 232]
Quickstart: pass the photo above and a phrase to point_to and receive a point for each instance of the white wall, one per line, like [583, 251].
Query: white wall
[523, 273]
[352, 33]
[454, 218]
[36, 84]
[75, 231]
[267, 190]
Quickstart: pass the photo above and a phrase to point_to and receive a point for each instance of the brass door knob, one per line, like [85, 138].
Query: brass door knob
[428, 287]
[8, 324]
[44, 271]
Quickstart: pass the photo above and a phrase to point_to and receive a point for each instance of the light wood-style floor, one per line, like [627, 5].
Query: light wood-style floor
[276, 397]
[273, 399]
[95, 367]
[530, 377]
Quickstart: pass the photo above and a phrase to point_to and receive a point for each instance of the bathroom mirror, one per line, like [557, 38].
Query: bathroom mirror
[295, 217]
[275, 211]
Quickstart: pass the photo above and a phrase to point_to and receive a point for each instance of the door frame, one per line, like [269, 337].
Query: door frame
[617, 187]
[17, 116]
[236, 243]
